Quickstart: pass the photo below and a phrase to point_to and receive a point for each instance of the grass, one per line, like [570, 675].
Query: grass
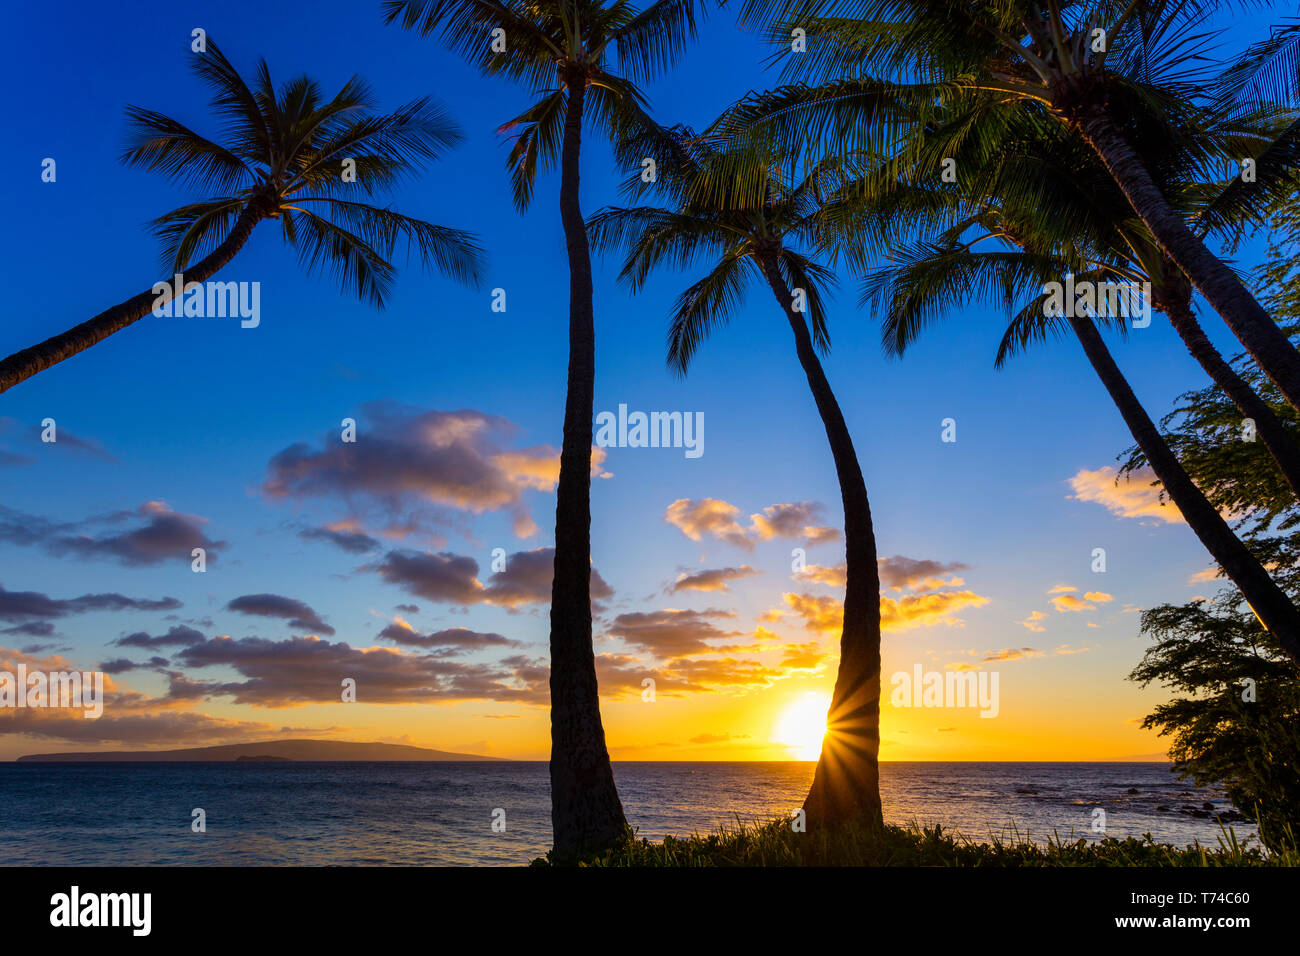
[852, 844]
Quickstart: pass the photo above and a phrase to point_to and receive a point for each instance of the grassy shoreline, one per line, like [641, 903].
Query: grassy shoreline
[775, 844]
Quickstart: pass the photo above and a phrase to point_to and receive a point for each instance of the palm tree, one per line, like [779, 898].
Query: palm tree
[1036, 165]
[931, 278]
[562, 50]
[745, 243]
[1091, 66]
[281, 156]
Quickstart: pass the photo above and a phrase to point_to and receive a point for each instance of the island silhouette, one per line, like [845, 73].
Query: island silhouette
[311, 750]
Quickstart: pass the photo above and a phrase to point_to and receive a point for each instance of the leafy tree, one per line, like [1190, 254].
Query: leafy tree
[1234, 718]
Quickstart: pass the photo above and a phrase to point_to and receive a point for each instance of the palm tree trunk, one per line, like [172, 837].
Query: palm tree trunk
[23, 365]
[1226, 293]
[586, 814]
[846, 784]
[1273, 608]
[1280, 444]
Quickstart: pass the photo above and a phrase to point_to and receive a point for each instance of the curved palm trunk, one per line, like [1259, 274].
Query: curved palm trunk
[1274, 610]
[23, 365]
[1280, 444]
[586, 814]
[846, 784]
[1226, 293]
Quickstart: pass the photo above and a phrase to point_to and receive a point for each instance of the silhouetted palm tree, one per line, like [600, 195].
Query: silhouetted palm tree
[1031, 164]
[565, 50]
[931, 278]
[1093, 66]
[281, 156]
[744, 243]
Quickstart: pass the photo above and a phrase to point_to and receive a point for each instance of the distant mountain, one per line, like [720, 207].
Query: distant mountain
[322, 750]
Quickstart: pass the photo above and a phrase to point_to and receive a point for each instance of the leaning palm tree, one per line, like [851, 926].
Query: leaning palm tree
[943, 274]
[568, 51]
[878, 65]
[282, 156]
[746, 244]
[1028, 162]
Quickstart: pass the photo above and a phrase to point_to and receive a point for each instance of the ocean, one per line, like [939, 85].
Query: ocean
[419, 814]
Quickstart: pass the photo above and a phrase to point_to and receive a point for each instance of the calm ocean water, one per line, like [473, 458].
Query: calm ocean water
[441, 813]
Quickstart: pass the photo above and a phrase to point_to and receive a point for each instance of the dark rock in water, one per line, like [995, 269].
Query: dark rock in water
[1207, 805]
[1202, 814]
[1026, 790]
[1162, 809]
[1134, 790]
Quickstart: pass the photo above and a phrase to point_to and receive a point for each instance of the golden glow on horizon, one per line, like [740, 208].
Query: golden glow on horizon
[802, 725]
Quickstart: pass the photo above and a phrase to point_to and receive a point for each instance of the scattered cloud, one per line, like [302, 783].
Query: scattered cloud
[299, 615]
[406, 457]
[714, 579]
[1130, 497]
[447, 578]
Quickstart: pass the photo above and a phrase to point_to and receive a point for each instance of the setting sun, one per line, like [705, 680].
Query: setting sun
[802, 725]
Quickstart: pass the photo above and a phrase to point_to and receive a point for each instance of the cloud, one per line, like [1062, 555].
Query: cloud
[1067, 601]
[671, 633]
[921, 609]
[404, 457]
[342, 534]
[178, 636]
[453, 638]
[31, 629]
[708, 516]
[159, 535]
[715, 579]
[448, 578]
[804, 657]
[31, 436]
[1013, 654]
[899, 573]
[819, 613]
[121, 665]
[129, 717]
[793, 520]
[20, 606]
[718, 519]
[1132, 497]
[298, 614]
[304, 670]
[835, 576]
[1031, 622]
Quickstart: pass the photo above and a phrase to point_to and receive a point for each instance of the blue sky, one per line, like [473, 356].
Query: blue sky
[191, 413]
